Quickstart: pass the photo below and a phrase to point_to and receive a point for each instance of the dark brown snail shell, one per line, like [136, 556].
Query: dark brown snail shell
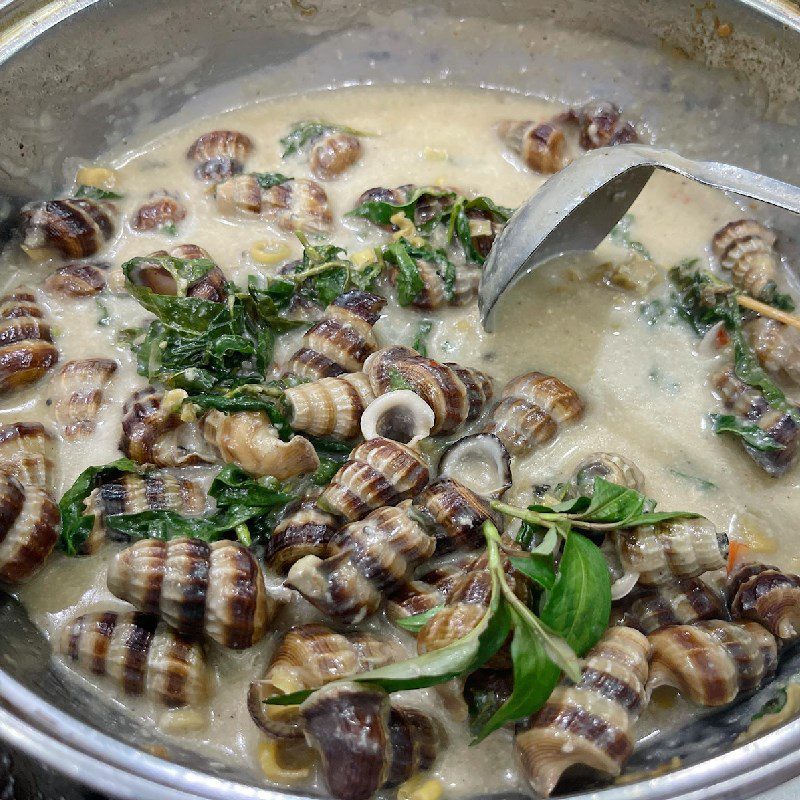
[77, 280]
[747, 249]
[26, 452]
[82, 383]
[611, 467]
[216, 590]
[298, 205]
[541, 146]
[162, 209]
[333, 153]
[141, 656]
[601, 125]
[220, 154]
[76, 227]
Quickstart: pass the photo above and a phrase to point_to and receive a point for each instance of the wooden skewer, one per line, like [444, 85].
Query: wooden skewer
[768, 311]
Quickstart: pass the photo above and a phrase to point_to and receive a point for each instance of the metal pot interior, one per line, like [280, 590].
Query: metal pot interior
[77, 78]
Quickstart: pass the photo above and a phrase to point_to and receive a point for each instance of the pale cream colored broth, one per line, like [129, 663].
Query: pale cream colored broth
[645, 387]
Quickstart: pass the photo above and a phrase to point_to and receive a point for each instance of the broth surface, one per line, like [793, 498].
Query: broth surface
[645, 386]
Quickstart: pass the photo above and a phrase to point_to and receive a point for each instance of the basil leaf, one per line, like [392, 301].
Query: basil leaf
[266, 180]
[416, 622]
[304, 133]
[420, 343]
[96, 193]
[324, 473]
[654, 517]
[539, 569]
[168, 525]
[76, 524]
[232, 486]
[535, 677]
[613, 503]
[749, 432]
[409, 281]
[579, 605]
[381, 212]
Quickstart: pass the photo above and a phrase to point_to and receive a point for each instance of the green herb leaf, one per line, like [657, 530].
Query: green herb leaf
[397, 381]
[104, 318]
[76, 524]
[613, 503]
[579, 605]
[420, 343]
[304, 133]
[266, 180]
[416, 622]
[232, 486]
[381, 212]
[324, 473]
[539, 569]
[773, 706]
[96, 193]
[409, 281]
[621, 235]
[749, 432]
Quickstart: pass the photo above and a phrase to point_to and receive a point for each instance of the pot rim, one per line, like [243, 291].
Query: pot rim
[88, 756]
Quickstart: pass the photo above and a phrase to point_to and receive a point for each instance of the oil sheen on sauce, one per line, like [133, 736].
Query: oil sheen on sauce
[645, 385]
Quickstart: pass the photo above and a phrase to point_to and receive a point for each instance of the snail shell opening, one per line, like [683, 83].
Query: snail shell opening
[402, 416]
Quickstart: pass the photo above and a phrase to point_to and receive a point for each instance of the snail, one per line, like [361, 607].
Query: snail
[29, 527]
[769, 596]
[219, 154]
[132, 494]
[455, 394]
[365, 741]
[379, 472]
[82, 383]
[679, 603]
[401, 416]
[453, 514]
[26, 452]
[746, 249]
[608, 466]
[480, 462]
[297, 205]
[752, 405]
[250, 440]
[541, 146]
[304, 529]
[333, 153]
[777, 347]
[153, 432]
[27, 351]
[212, 286]
[161, 210]
[429, 590]
[675, 549]
[589, 725]
[330, 406]
[341, 341]
[76, 227]
[216, 590]
[531, 409]
[240, 194]
[77, 280]
[308, 657]
[370, 558]
[140, 655]
[711, 662]
[600, 125]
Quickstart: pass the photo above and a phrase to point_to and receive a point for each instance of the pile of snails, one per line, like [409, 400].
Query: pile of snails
[362, 545]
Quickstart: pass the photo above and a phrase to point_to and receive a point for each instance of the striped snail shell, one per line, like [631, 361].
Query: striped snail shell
[297, 205]
[371, 558]
[769, 596]
[219, 154]
[82, 383]
[683, 548]
[611, 467]
[777, 347]
[26, 452]
[76, 227]
[141, 656]
[428, 590]
[679, 603]
[364, 741]
[212, 286]
[713, 661]
[309, 657]
[747, 249]
[333, 153]
[77, 280]
[304, 529]
[341, 341]
[216, 590]
[600, 125]
[330, 406]
[453, 514]
[162, 209]
[531, 409]
[433, 293]
[250, 440]
[240, 194]
[750, 403]
[455, 394]
[153, 433]
[542, 146]
[465, 286]
[589, 724]
[29, 526]
[379, 472]
[132, 494]
[480, 462]
[27, 351]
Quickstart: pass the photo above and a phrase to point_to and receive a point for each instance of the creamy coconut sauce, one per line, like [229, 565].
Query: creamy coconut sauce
[645, 386]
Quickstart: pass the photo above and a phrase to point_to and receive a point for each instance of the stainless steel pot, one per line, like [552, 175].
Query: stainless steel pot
[77, 77]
